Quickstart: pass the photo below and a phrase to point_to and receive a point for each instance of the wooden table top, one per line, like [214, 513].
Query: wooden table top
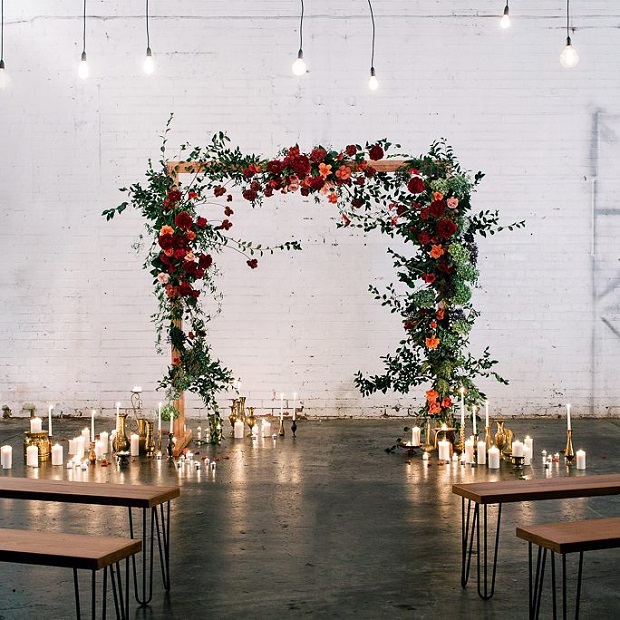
[548, 488]
[68, 550]
[574, 536]
[130, 495]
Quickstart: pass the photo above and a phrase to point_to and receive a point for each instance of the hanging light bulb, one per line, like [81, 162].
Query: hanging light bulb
[569, 56]
[299, 66]
[149, 64]
[83, 67]
[5, 78]
[373, 83]
[504, 22]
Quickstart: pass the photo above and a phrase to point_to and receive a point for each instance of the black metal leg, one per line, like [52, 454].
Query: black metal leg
[563, 586]
[162, 523]
[468, 527]
[118, 602]
[538, 582]
[93, 594]
[553, 587]
[579, 573]
[144, 598]
[530, 611]
[486, 590]
[105, 593]
[76, 588]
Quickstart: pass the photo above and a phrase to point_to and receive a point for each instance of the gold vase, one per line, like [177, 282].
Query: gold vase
[251, 419]
[149, 442]
[233, 417]
[569, 452]
[121, 443]
[429, 440]
[500, 435]
[142, 432]
[42, 441]
[241, 408]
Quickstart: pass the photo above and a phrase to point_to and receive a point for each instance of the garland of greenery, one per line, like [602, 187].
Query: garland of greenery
[426, 203]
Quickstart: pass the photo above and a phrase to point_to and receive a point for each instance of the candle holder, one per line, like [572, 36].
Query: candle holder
[459, 447]
[92, 455]
[149, 441]
[487, 438]
[475, 448]
[569, 452]
[281, 429]
[294, 427]
[170, 447]
[42, 441]
[517, 461]
[121, 443]
[122, 458]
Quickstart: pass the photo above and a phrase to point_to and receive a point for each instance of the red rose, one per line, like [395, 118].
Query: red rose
[356, 202]
[174, 195]
[269, 191]
[416, 185]
[445, 267]
[400, 209]
[192, 195]
[301, 165]
[316, 183]
[275, 166]
[370, 172]
[318, 155]
[189, 267]
[219, 191]
[201, 222]
[437, 208]
[375, 152]
[179, 254]
[425, 214]
[165, 242]
[226, 225]
[304, 191]
[250, 171]
[185, 288]
[293, 151]
[205, 261]
[253, 263]
[249, 194]
[199, 273]
[228, 211]
[183, 220]
[351, 150]
[424, 238]
[429, 278]
[360, 180]
[446, 228]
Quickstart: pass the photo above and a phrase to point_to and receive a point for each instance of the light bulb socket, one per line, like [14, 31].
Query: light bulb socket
[506, 11]
[568, 42]
[300, 54]
[372, 72]
[148, 52]
[83, 58]
[1, 63]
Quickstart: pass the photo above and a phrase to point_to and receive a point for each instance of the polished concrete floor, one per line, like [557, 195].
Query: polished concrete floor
[326, 525]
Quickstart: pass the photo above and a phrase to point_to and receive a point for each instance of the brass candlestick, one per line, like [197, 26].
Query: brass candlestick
[569, 452]
[92, 455]
[281, 429]
[487, 437]
[250, 420]
[459, 447]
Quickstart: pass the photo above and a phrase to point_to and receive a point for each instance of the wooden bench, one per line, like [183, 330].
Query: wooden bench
[153, 499]
[77, 552]
[483, 494]
[564, 538]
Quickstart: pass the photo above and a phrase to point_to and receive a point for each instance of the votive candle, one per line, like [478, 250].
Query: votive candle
[581, 459]
[57, 454]
[493, 457]
[7, 457]
[35, 425]
[32, 456]
[49, 413]
[481, 455]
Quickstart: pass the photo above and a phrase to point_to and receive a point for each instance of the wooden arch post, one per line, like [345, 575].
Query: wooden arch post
[173, 170]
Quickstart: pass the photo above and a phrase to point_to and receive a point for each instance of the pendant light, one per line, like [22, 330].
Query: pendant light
[149, 64]
[373, 83]
[504, 22]
[569, 56]
[5, 78]
[83, 68]
[299, 66]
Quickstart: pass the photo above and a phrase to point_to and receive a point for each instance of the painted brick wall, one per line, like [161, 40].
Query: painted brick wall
[75, 304]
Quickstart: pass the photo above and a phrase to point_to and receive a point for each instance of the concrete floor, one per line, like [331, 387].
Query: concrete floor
[326, 525]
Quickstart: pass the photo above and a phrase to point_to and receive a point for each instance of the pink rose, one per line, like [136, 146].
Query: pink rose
[163, 278]
[452, 203]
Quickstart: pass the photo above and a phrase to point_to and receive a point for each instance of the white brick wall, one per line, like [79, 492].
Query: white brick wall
[75, 305]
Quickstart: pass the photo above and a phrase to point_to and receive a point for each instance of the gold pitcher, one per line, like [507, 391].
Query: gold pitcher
[149, 441]
[241, 409]
[233, 417]
[121, 443]
[500, 435]
[251, 419]
[142, 432]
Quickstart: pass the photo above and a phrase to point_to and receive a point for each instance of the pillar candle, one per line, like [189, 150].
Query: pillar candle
[118, 413]
[134, 445]
[238, 429]
[7, 457]
[529, 442]
[416, 436]
[86, 435]
[171, 422]
[159, 419]
[517, 448]
[79, 446]
[100, 448]
[473, 417]
[581, 459]
[294, 405]
[469, 451]
[281, 405]
[444, 450]
[49, 413]
[482, 453]
[35, 425]
[111, 440]
[71, 446]
[32, 456]
[92, 425]
[57, 454]
[462, 391]
[527, 455]
[486, 413]
[568, 425]
[493, 457]
[266, 428]
[103, 438]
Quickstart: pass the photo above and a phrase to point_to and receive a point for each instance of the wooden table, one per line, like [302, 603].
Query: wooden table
[487, 493]
[153, 499]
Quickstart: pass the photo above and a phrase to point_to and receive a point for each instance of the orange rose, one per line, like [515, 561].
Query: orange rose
[432, 342]
[437, 251]
[434, 408]
[343, 173]
[190, 234]
[169, 252]
[325, 170]
[166, 230]
[333, 198]
[446, 402]
[432, 396]
[437, 196]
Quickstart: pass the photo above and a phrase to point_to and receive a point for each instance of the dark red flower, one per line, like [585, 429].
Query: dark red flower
[165, 242]
[174, 195]
[219, 191]
[446, 228]
[253, 263]
[409, 325]
[351, 150]
[301, 165]
[192, 195]
[179, 254]
[249, 194]
[201, 222]
[205, 260]
[424, 238]
[293, 151]
[250, 171]
[318, 155]
[360, 180]
[185, 288]
[437, 208]
[226, 225]
[183, 220]
[375, 152]
[316, 183]
[425, 214]
[416, 185]
[268, 191]
[275, 166]
[429, 278]
[445, 267]
[304, 191]
[229, 198]
[356, 202]
[370, 172]
[228, 211]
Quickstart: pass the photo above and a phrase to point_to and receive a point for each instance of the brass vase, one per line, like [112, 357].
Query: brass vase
[142, 433]
[121, 443]
[569, 452]
[149, 441]
[500, 435]
[241, 408]
[233, 417]
[251, 419]
[429, 439]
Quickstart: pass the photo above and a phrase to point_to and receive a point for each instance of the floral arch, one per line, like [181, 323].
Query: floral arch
[425, 201]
